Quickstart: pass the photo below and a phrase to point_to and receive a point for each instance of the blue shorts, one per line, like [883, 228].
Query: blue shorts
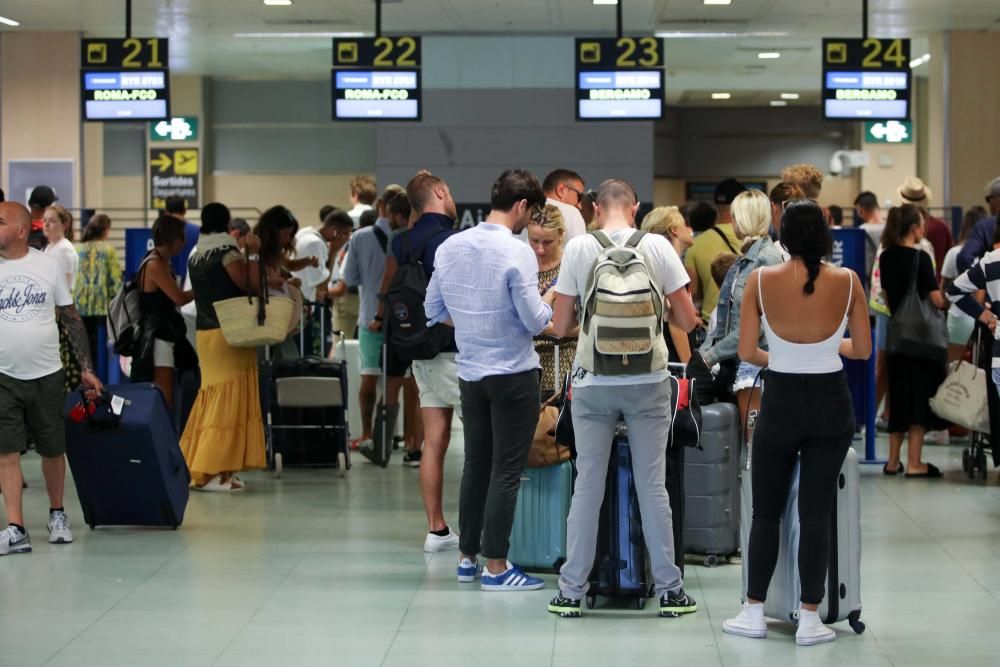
[746, 376]
[881, 331]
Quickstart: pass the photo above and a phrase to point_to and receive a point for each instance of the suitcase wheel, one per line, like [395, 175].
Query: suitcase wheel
[854, 619]
[591, 601]
[278, 465]
[711, 560]
[342, 464]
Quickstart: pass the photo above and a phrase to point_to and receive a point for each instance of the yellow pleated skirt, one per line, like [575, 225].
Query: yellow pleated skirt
[225, 432]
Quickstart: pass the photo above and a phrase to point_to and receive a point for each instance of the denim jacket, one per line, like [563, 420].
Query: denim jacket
[724, 341]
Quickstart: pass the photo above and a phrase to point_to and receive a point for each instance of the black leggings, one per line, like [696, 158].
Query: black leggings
[810, 419]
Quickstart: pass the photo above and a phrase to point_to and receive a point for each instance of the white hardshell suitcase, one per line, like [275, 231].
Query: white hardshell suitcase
[843, 588]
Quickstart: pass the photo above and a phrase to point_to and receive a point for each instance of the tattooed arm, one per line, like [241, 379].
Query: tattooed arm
[77, 335]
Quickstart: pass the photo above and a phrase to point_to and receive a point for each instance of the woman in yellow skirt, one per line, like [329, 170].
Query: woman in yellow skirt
[225, 432]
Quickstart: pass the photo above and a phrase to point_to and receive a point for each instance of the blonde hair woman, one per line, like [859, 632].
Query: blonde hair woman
[667, 221]
[751, 221]
[546, 238]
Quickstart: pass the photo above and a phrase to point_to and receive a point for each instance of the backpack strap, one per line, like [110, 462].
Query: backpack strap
[603, 239]
[633, 241]
[726, 240]
[383, 240]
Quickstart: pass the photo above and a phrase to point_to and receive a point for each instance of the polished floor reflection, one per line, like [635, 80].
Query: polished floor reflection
[316, 570]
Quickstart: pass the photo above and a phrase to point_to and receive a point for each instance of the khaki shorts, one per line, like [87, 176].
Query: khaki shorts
[32, 407]
[437, 380]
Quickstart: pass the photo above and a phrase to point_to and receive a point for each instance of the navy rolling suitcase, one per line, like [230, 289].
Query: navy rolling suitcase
[621, 566]
[128, 467]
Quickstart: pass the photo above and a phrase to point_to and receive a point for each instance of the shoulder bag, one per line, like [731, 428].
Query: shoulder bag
[916, 327]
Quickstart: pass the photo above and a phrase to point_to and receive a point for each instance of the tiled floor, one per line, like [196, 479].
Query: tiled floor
[316, 570]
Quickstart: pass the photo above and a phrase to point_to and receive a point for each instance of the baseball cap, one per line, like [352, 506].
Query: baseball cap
[726, 191]
[42, 196]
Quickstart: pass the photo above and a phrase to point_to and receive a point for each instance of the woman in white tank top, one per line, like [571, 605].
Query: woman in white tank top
[806, 415]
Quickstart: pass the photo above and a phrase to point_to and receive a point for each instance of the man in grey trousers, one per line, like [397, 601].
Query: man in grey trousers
[642, 398]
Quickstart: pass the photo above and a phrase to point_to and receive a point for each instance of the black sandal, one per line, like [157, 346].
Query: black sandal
[892, 473]
[933, 472]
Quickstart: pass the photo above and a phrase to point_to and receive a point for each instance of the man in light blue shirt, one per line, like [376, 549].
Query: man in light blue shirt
[485, 283]
[364, 268]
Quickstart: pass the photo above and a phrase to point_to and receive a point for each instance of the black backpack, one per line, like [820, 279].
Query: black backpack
[408, 334]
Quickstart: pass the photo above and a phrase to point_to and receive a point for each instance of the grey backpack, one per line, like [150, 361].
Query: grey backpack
[125, 315]
[621, 330]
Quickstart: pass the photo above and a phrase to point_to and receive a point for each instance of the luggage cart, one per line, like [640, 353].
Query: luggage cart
[314, 391]
[974, 461]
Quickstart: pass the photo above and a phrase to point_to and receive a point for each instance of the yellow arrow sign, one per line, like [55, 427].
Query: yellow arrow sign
[162, 162]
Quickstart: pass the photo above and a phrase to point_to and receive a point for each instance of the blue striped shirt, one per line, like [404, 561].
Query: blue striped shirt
[983, 275]
[486, 282]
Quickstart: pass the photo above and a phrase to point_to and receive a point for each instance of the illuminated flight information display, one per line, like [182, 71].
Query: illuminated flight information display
[866, 79]
[125, 95]
[619, 79]
[376, 78]
[125, 79]
[375, 94]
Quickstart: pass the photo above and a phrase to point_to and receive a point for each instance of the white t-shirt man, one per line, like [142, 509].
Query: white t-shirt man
[575, 226]
[356, 212]
[309, 243]
[665, 268]
[30, 290]
[65, 254]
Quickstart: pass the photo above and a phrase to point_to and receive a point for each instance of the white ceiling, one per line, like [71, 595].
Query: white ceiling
[201, 31]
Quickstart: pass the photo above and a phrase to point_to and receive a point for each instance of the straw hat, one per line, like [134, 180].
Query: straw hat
[914, 191]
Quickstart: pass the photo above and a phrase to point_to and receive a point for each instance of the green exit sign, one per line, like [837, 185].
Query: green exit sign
[889, 132]
[179, 128]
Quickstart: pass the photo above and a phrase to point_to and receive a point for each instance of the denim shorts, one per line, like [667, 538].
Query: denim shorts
[746, 376]
[881, 331]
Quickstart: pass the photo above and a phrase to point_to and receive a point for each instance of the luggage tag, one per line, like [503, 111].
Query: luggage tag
[117, 403]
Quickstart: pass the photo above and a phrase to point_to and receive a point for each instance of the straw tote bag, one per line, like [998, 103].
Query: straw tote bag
[255, 320]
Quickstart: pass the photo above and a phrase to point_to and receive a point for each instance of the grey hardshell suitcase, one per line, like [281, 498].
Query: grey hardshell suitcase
[712, 486]
[843, 588]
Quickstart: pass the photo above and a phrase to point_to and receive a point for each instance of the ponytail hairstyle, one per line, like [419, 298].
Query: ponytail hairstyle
[899, 223]
[807, 237]
[97, 226]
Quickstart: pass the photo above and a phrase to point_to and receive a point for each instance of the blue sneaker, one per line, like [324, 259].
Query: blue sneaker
[468, 570]
[511, 579]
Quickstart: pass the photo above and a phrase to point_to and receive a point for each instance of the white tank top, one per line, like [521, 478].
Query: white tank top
[803, 358]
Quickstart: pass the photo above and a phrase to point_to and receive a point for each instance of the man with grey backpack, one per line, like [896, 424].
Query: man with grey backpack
[621, 285]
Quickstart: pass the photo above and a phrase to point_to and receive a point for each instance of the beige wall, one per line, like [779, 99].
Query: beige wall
[973, 120]
[890, 165]
[304, 194]
[40, 102]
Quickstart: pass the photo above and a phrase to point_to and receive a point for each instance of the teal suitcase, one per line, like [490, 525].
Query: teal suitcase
[538, 537]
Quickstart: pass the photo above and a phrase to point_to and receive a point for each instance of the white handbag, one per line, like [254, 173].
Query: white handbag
[961, 398]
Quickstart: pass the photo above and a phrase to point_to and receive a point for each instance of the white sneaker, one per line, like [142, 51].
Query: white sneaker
[59, 532]
[937, 438]
[13, 541]
[749, 622]
[811, 630]
[435, 543]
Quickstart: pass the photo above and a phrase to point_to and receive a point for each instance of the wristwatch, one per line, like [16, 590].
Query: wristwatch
[253, 258]
[377, 318]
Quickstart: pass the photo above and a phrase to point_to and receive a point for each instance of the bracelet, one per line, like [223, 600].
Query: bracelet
[253, 258]
[377, 318]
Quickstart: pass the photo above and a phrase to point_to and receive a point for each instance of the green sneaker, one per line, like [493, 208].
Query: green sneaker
[673, 605]
[565, 607]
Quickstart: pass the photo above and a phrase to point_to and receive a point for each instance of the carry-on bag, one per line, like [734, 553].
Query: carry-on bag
[384, 428]
[126, 461]
[306, 413]
[538, 536]
[621, 565]
[712, 486]
[843, 587]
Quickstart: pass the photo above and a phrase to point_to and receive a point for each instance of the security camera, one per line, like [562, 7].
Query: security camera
[843, 161]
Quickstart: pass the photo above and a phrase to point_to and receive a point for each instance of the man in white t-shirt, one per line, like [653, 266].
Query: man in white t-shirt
[641, 398]
[33, 297]
[363, 195]
[565, 189]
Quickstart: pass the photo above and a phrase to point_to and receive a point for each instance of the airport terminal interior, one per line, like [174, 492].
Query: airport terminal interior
[318, 554]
